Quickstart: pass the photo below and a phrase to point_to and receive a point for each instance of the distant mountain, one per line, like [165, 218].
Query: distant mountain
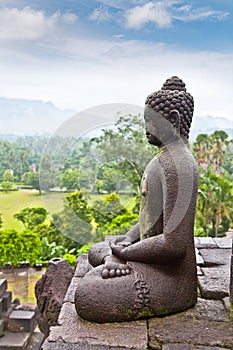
[208, 124]
[30, 117]
[27, 117]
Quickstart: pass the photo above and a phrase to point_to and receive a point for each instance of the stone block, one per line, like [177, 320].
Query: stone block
[188, 330]
[189, 347]
[229, 307]
[199, 259]
[204, 242]
[14, 341]
[6, 314]
[213, 288]
[87, 335]
[211, 310]
[69, 297]
[82, 266]
[0, 307]
[3, 286]
[22, 321]
[6, 300]
[50, 292]
[223, 242]
[2, 326]
[215, 257]
[35, 341]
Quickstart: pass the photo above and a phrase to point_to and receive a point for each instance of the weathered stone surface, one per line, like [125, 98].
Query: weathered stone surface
[69, 297]
[35, 341]
[216, 272]
[204, 242]
[0, 307]
[213, 288]
[214, 257]
[2, 324]
[66, 346]
[212, 310]
[22, 321]
[82, 266]
[189, 347]
[14, 341]
[229, 307]
[223, 242]
[184, 328]
[199, 271]
[50, 291]
[199, 258]
[6, 300]
[73, 330]
[3, 286]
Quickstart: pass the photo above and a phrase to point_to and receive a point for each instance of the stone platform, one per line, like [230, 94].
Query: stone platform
[207, 326]
[17, 324]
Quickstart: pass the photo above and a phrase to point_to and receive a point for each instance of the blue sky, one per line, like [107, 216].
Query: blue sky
[78, 54]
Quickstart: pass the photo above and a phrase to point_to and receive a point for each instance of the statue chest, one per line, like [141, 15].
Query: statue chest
[151, 203]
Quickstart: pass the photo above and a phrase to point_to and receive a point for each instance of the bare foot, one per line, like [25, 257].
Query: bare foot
[115, 267]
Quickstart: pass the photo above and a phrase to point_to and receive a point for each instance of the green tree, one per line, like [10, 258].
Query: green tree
[32, 179]
[31, 217]
[107, 179]
[214, 203]
[8, 176]
[106, 209]
[74, 221]
[70, 179]
[16, 247]
[210, 150]
[127, 145]
[6, 186]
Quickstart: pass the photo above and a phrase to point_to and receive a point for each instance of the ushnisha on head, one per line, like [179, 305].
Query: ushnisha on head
[173, 97]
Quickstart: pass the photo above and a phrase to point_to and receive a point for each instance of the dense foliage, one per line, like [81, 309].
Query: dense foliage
[110, 165]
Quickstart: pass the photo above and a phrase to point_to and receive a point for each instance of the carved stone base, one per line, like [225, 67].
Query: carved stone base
[207, 326]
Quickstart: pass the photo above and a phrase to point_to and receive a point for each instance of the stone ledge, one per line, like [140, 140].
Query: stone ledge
[185, 329]
[73, 330]
[207, 326]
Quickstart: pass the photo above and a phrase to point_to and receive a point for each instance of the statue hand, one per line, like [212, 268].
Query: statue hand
[123, 241]
[114, 267]
[118, 250]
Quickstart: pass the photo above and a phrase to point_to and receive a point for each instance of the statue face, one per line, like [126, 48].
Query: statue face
[159, 131]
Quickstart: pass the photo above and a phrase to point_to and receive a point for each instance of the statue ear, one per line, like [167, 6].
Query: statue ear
[174, 118]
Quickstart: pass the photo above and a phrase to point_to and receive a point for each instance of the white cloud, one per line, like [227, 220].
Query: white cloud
[156, 13]
[69, 17]
[28, 24]
[98, 72]
[188, 14]
[100, 14]
[162, 13]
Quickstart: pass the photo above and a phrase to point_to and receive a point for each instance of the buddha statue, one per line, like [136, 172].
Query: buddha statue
[151, 271]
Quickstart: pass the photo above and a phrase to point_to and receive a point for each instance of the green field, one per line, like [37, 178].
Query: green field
[12, 202]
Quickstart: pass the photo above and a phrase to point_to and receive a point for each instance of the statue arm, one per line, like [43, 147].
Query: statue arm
[131, 237]
[167, 246]
[160, 249]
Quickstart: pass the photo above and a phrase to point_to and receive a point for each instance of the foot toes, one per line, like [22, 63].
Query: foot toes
[112, 273]
[105, 273]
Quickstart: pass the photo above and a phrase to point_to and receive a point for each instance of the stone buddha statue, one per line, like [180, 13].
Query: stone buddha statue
[151, 271]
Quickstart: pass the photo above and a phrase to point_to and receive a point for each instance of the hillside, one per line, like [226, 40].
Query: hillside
[30, 117]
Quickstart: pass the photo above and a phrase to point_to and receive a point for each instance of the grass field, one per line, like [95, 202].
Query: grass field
[12, 202]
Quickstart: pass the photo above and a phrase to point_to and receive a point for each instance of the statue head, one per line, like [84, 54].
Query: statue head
[169, 112]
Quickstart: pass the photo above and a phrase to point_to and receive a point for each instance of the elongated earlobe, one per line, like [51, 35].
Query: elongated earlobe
[174, 118]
